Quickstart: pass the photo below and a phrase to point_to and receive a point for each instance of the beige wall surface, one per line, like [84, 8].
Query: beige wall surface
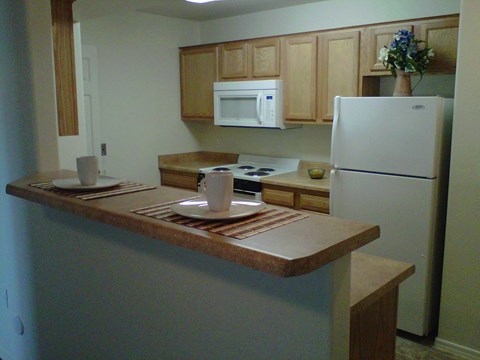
[460, 301]
[39, 26]
[322, 15]
[139, 90]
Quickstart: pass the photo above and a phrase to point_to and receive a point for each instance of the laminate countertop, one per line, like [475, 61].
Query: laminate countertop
[299, 179]
[293, 249]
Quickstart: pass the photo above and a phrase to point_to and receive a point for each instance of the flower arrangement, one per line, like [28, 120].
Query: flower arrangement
[404, 54]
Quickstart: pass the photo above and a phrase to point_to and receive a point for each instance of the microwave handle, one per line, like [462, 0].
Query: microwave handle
[259, 108]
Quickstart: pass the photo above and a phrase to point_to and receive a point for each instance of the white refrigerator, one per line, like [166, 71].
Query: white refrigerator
[390, 160]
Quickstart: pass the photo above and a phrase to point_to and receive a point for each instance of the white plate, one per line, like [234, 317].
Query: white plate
[74, 183]
[198, 209]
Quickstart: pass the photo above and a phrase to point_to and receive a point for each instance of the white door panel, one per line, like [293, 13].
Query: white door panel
[92, 104]
[389, 135]
[404, 209]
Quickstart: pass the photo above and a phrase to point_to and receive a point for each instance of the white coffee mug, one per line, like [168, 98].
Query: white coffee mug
[87, 169]
[218, 188]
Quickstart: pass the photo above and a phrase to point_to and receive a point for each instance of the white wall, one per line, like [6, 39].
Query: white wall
[460, 301]
[19, 152]
[106, 293]
[322, 15]
[139, 90]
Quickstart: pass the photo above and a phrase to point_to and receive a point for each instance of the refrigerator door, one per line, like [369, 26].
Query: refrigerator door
[404, 207]
[390, 135]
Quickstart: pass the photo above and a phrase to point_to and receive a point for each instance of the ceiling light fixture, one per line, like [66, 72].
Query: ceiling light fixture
[200, 1]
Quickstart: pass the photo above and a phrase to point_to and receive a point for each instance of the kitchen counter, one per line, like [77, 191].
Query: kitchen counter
[299, 179]
[290, 250]
[192, 162]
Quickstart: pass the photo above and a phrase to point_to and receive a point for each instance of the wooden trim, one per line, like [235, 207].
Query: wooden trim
[64, 58]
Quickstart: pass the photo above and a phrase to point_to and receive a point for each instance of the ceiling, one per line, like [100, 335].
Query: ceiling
[87, 9]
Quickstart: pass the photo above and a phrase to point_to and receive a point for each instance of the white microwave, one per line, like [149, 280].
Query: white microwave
[257, 103]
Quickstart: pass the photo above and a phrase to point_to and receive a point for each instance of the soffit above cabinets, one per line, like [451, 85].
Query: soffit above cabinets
[89, 9]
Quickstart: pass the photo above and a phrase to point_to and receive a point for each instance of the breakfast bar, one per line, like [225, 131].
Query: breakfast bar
[282, 293]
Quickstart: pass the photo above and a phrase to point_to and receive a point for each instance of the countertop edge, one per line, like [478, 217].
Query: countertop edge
[193, 239]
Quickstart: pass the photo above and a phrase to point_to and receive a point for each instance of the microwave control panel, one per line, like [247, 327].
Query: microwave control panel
[269, 109]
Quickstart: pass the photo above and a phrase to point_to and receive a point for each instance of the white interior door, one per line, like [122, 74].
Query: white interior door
[404, 209]
[92, 105]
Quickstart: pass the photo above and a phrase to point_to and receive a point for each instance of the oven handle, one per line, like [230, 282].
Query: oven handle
[246, 192]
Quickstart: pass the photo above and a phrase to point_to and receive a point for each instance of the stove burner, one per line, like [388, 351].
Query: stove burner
[246, 167]
[266, 169]
[257, 173]
[221, 169]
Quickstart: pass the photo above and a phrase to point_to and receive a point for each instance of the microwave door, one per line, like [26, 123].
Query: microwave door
[238, 108]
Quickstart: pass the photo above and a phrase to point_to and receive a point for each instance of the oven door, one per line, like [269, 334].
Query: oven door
[247, 189]
[247, 195]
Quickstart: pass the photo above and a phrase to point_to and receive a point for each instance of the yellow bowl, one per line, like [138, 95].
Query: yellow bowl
[316, 173]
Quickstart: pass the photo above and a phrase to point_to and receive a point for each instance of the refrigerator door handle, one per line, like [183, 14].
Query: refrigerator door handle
[336, 109]
[331, 204]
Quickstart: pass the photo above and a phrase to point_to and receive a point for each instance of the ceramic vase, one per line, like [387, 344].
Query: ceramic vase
[403, 84]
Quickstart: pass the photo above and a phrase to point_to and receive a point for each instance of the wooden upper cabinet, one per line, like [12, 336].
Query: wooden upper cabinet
[300, 78]
[442, 36]
[376, 38]
[338, 64]
[265, 58]
[234, 60]
[198, 72]
[250, 59]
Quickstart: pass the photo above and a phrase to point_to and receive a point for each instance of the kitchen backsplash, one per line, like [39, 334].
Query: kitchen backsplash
[310, 142]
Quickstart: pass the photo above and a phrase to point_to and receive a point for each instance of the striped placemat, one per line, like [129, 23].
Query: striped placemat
[260, 222]
[125, 187]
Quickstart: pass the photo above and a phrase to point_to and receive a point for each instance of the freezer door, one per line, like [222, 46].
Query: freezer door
[405, 210]
[392, 135]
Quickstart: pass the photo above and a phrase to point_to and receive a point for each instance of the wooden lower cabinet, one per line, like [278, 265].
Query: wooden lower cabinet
[278, 197]
[179, 179]
[296, 198]
[314, 202]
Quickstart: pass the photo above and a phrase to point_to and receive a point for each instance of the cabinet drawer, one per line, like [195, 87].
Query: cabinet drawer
[179, 179]
[314, 203]
[278, 197]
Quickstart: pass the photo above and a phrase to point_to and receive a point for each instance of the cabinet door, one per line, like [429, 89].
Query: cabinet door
[178, 179]
[314, 203]
[278, 197]
[300, 77]
[377, 38]
[198, 72]
[339, 59]
[265, 58]
[234, 60]
[442, 36]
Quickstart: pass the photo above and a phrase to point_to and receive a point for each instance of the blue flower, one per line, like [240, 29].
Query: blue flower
[405, 54]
